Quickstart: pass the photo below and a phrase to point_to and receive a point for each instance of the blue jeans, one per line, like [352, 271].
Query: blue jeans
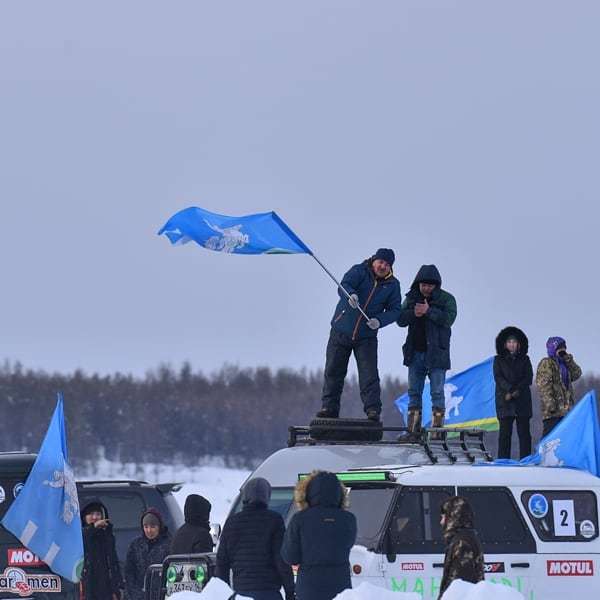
[417, 371]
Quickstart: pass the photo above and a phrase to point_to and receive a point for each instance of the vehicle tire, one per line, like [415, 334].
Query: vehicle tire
[354, 430]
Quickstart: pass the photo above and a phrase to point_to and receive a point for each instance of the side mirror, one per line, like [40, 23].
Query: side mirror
[215, 532]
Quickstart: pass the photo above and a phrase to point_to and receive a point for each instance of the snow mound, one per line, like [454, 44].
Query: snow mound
[216, 589]
[368, 591]
[484, 590]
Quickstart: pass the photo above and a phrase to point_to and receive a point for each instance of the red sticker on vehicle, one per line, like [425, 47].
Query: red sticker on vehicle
[21, 557]
[570, 568]
[413, 566]
[494, 567]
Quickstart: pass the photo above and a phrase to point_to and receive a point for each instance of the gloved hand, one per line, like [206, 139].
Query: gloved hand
[353, 301]
[291, 596]
[508, 397]
[516, 394]
[373, 323]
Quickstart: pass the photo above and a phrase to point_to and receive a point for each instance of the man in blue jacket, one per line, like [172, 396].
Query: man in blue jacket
[372, 285]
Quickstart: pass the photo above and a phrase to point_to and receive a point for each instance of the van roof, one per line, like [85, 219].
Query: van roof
[412, 465]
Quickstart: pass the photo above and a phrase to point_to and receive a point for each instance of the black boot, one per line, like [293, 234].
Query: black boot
[373, 415]
[327, 413]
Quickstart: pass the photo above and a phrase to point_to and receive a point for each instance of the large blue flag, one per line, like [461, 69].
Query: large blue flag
[263, 233]
[45, 514]
[574, 442]
[470, 399]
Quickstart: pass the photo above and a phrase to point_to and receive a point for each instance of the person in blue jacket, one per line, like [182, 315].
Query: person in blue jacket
[372, 285]
[319, 537]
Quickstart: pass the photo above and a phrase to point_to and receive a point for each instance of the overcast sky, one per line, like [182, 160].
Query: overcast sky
[465, 134]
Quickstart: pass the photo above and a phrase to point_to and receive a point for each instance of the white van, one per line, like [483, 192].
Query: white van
[538, 526]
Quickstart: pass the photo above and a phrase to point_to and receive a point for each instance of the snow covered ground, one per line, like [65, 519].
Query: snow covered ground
[213, 480]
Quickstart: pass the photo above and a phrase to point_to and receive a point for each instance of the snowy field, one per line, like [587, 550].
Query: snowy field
[213, 480]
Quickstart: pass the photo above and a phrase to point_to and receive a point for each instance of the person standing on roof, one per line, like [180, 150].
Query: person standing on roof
[250, 547]
[319, 537]
[194, 537]
[554, 380]
[464, 557]
[513, 375]
[152, 547]
[372, 285]
[429, 313]
[101, 576]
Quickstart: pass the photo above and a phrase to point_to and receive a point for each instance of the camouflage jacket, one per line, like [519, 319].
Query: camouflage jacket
[555, 398]
[464, 559]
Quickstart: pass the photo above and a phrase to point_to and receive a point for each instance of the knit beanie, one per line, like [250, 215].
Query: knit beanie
[386, 254]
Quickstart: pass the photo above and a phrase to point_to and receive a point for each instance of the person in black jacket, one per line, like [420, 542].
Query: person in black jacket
[464, 557]
[151, 548]
[513, 375]
[101, 577]
[250, 546]
[194, 537]
[319, 538]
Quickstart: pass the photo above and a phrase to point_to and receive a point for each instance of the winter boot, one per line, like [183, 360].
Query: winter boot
[437, 422]
[373, 415]
[414, 425]
[327, 413]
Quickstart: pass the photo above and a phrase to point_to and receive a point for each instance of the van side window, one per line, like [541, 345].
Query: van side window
[498, 521]
[562, 516]
[124, 510]
[415, 523]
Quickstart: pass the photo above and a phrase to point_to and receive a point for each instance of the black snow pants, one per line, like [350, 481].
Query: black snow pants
[339, 349]
[505, 435]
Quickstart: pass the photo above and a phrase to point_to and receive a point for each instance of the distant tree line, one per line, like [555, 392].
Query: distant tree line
[179, 415]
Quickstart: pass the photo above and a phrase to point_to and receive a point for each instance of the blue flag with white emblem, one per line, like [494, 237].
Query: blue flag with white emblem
[263, 233]
[45, 515]
[470, 399]
[574, 442]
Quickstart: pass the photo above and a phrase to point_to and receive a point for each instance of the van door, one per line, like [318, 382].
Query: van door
[566, 524]
[508, 545]
[413, 548]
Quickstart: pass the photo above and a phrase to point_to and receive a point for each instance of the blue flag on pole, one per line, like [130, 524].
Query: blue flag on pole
[470, 399]
[263, 233]
[574, 442]
[45, 514]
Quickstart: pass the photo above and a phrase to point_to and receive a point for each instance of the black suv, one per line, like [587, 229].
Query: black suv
[124, 500]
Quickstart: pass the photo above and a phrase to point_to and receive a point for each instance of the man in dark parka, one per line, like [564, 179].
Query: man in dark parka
[513, 374]
[250, 547]
[319, 538]
[194, 537]
[429, 313]
[101, 577]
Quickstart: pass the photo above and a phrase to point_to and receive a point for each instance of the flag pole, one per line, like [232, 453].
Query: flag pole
[340, 286]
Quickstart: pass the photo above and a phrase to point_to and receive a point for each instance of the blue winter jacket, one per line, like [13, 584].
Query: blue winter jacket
[379, 298]
[319, 539]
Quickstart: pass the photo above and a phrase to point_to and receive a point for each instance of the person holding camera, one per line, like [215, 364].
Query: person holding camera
[554, 380]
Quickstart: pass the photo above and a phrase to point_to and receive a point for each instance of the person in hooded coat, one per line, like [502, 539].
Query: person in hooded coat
[152, 547]
[554, 380]
[429, 313]
[101, 576]
[194, 537]
[319, 537]
[513, 375]
[464, 556]
[250, 546]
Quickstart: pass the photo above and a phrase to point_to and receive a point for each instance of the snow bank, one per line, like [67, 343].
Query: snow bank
[484, 590]
[368, 591]
[216, 589]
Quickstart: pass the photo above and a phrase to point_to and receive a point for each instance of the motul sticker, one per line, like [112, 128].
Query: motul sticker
[570, 568]
[16, 581]
[19, 557]
[413, 566]
[494, 567]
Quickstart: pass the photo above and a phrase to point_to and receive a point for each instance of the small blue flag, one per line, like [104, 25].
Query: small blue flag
[574, 442]
[45, 514]
[470, 399]
[263, 233]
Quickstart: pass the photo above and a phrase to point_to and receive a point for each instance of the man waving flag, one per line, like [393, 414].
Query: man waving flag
[45, 514]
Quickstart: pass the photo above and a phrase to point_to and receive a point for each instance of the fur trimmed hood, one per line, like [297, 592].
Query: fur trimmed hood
[512, 332]
[321, 488]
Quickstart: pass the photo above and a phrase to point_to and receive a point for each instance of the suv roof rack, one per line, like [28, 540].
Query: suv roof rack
[113, 482]
[441, 445]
